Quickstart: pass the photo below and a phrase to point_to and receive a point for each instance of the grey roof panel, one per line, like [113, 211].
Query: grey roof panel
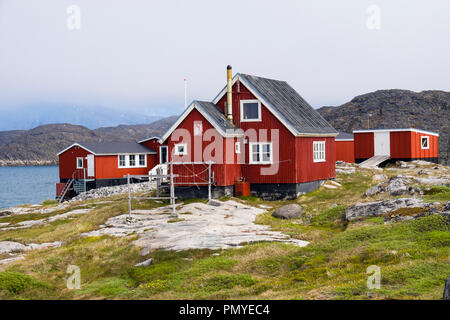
[292, 107]
[115, 147]
[216, 115]
[344, 136]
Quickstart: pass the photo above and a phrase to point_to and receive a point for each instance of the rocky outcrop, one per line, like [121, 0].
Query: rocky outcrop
[380, 208]
[289, 211]
[115, 190]
[396, 186]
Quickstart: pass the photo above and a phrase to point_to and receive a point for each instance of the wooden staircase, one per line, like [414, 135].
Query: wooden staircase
[374, 161]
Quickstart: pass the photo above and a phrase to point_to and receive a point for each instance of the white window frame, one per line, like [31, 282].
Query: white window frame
[177, 153]
[428, 142]
[242, 102]
[160, 154]
[237, 147]
[82, 163]
[127, 160]
[124, 159]
[317, 153]
[250, 153]
[139, 160]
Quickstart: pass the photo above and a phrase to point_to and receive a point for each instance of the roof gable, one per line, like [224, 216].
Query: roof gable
[212, 114]
[111, 148]
[286, 104]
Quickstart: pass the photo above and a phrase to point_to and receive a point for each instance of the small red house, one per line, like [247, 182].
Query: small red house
[345, 147]
[398, 144]
[256, 130]
[99, 164]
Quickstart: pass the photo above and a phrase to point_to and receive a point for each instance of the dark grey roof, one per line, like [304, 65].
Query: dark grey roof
[115, 147]
[292, 107]
[215, 114]
[344, 136]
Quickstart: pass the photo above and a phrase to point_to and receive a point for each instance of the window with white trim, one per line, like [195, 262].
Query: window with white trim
[80, 163]
[122, 161]
[250, 110]
[319, 151]
[181, 149]
[260, 153]
[132, 160]
[142, 160]
[237, 147]
[425, 142]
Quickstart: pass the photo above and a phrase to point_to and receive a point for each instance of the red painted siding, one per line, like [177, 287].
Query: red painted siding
[286, 152]
[292, 156]
[68, 161]
[154, 145]
[345, 151]
[400, 144]
[364, 148]
[416, 147]
[307, 169]
[107, 167]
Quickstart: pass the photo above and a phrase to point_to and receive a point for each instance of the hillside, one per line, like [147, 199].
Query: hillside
[41, 144]
[195, 256]
[427, 110]
[31, 116]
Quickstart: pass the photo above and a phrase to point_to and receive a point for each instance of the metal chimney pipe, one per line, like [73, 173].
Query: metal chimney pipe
[229, 94]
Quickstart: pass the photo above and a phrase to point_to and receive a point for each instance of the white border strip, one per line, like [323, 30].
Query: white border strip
[397, 130]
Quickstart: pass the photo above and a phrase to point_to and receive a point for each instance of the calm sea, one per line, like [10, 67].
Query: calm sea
[20, 185]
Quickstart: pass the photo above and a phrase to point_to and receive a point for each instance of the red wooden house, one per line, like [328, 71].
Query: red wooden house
[256, 130]
[345, 147]
[398, 144]
[99, 164]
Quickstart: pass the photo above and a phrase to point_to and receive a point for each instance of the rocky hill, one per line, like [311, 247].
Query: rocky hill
[427, 110]
[40, 145]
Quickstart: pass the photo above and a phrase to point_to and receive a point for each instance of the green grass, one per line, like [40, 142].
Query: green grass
[436, 193]
[412, 256]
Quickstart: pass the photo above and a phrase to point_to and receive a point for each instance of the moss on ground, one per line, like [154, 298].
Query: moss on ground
[413, 256]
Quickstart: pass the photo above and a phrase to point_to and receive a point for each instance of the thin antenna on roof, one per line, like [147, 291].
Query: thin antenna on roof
[185, 93]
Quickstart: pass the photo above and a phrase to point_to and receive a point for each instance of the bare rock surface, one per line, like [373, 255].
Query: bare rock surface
[202, 227]
[16, 247]
[32, 223]
[289, 211]
[379, 208]
[114, 190]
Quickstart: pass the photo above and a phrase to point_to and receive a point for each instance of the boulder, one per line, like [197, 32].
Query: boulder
[11, 247]
[5, 213]
[379, 208]
[397, 185]
[374, 190]
[145, 263]
[289, 211]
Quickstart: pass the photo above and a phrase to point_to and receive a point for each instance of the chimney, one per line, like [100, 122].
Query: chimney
[229, 94]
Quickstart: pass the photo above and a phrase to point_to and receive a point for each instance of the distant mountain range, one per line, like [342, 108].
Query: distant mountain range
[92, 117]
[40, 145]
[427, 110]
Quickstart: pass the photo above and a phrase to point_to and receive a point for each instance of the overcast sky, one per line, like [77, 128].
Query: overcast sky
[135, 53]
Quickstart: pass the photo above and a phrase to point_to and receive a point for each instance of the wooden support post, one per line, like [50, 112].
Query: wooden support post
[209, 180]
[129, 198]
[172, 192]
[158, 181]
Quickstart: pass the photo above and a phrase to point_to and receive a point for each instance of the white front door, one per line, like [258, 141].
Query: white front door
[382, 144]
[90, 165]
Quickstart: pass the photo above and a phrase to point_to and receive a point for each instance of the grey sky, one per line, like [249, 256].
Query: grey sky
[135, 54]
